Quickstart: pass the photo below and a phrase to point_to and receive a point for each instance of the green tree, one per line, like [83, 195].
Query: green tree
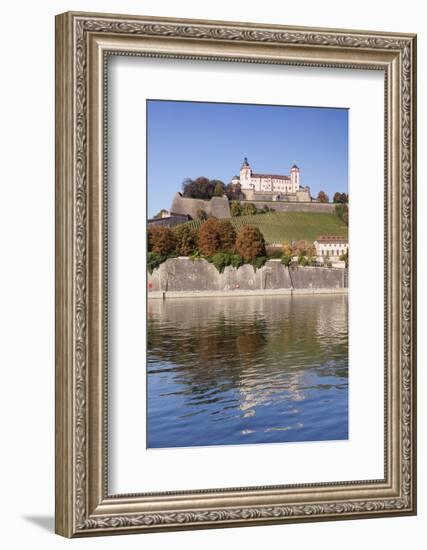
[341, 210]
[219, 189]
[286, 259]
[202, 188]
[250, 242]
[221, 260]
[344, 258]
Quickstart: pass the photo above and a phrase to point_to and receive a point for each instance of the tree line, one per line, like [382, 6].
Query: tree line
[215, 240]
[205, 188]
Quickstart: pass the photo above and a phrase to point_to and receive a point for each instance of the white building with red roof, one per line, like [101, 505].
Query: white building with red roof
[282, 186]
[331, 246]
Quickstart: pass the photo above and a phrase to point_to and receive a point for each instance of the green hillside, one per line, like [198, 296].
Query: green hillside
[278, 227]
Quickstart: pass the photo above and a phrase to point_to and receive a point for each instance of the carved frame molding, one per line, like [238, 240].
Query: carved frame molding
[83, 43]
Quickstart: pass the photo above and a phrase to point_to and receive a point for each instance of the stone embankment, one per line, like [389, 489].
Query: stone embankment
[184, 277]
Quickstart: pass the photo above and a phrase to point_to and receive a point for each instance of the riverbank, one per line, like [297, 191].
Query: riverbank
[159, 295]
[182, 277]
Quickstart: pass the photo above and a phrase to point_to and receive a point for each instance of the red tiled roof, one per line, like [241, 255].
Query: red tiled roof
[331, 239]
[272, 176]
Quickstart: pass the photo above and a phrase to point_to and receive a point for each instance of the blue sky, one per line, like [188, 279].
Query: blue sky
[188, 139]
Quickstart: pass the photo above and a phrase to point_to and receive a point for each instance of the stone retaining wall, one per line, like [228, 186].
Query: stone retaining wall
[185, 275]
[282, 206]
[217, 206]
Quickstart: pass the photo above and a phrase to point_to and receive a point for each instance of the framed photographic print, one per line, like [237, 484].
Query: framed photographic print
[235, 274]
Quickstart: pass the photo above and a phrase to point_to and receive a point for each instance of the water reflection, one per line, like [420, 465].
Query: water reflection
[247, 370]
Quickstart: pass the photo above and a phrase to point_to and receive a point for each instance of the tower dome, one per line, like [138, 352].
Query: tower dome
[245, 163]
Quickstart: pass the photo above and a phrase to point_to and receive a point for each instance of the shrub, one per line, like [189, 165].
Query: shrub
[186, 239]
[287, 249]
[302, 261]
[286, 259]
[258, 262]
[197, 255]
[236, 260]
[227, 235]
[250, 242]
[344, 258]
[274, 255]
[341, 210]
[161, 240]
[201, 214]
[235, 208]
[154, 260]
[221, 260]
[301, 247]
[249, 209]
[209, 241]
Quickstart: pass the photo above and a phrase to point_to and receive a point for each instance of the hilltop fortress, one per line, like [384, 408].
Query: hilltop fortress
[276, 187]
[282, 193]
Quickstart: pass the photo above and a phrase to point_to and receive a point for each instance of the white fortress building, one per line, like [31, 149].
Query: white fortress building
[271, 186]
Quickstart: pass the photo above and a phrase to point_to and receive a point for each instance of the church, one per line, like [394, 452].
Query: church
[271, 186]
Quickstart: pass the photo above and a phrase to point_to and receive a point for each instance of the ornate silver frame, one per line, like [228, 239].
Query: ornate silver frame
[83, 42]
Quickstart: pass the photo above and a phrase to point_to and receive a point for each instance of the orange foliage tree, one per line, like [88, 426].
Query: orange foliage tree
[250, 242]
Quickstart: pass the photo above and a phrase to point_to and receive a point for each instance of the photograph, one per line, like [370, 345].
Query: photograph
[247, 274]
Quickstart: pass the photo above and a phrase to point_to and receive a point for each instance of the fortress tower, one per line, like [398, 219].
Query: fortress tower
[245, 175]
[295, 178]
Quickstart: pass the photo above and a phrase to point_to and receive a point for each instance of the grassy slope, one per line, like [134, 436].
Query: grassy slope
[278, 227]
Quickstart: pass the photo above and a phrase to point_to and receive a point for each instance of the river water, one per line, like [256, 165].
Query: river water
[227, 371]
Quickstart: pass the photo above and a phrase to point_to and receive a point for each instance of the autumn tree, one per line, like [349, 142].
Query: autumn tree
[250, 242]
[322, 197]
[227, 235]
[340, 198]
[233, 191]
[300, 247]
[186, 239]
[311, 253]
[209, 241]
[287, 249]
[161, 240]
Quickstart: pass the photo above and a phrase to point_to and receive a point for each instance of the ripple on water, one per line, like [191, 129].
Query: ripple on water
[229, 371]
